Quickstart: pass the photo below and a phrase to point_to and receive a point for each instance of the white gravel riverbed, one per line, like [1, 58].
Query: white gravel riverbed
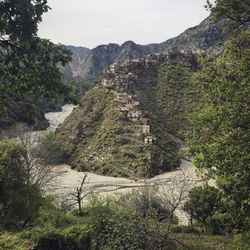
[104, 185]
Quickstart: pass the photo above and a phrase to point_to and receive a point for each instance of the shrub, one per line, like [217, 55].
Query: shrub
[19, 198]
[220, 224]
[49, 149]
[184, 229]
[71, 238]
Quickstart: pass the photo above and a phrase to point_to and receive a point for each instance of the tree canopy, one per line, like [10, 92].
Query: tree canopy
[19, 198]
[234, 12]
[220, 137]
[29, 65]
[203, 203]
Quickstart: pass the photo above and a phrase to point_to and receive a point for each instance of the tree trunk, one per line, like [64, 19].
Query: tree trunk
[79, 206]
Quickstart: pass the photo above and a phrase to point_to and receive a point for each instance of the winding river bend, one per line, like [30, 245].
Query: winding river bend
[70, 179]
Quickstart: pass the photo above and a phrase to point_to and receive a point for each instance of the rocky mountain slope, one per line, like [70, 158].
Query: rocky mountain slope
[125, 124]
[87, 63]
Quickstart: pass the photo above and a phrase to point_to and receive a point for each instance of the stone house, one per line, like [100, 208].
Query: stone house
[144, 129]
[149, 139]
[114, 67]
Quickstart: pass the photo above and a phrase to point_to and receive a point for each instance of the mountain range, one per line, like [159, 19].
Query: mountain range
[132, 122]
[86, 63]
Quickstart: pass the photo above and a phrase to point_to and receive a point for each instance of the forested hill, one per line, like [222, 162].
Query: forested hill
[86, 63]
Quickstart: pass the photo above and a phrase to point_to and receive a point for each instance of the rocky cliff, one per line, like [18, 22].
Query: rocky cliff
[125, 125]
[87, 63]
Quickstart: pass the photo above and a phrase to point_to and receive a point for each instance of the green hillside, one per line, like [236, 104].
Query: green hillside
[124, 125]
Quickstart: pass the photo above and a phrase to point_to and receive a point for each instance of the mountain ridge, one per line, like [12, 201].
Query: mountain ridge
[87, 63]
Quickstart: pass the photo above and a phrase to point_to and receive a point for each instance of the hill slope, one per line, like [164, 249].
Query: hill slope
[123, 126]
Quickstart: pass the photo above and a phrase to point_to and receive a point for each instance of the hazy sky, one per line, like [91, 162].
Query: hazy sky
[89, 23]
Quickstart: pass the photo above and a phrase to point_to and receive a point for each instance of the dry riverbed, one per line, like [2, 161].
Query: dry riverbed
[68, 181]
[106, 185]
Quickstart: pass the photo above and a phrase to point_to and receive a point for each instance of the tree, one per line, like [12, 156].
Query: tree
[175, 193]
[29, 66]
[220, 138]
[234, 12]
[204, 202]
[80, 193]
[43, 151]
[19, 198]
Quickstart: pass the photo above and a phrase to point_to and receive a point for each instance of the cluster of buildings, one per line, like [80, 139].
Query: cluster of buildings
[130, 106]
[120, 79]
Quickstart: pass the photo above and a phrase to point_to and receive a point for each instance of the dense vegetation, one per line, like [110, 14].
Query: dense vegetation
[138, 220]
[29, 65]
[220, 138]
[144, 218]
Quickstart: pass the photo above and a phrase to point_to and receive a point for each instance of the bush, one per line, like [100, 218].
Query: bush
[185, 229]
[220, 224]
[124, 141]
[71, 238]
[145, 202]
[49, 149]
[51, 215]
[131, 231]
[19, 198]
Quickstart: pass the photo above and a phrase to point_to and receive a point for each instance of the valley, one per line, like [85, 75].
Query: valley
[122, 127]
[70, 179]
[151, 147]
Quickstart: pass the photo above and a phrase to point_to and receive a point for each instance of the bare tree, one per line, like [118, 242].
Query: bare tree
[175, 193]
[38, 167]
[76, 197]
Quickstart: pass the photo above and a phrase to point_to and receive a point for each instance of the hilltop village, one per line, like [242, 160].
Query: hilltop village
[120, 79]
[120, 130]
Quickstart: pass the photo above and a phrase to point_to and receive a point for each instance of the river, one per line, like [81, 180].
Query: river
[70, 179]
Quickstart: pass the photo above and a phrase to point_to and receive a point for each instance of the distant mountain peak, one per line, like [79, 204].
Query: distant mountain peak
[206, 36]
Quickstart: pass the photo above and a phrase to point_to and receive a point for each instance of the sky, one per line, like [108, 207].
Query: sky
[90, 23]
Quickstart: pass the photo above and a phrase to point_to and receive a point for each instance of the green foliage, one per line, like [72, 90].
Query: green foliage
[220, 138]
[50, 149]
[74, 237]
[51, 215]
[144, 201]
[185, 229]
[14, 241]
[19, 199]
[29, 65]
[204, 202]
[81, 86]
[176, 95]
[117, 225]
[234, 12]
[220, 224]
